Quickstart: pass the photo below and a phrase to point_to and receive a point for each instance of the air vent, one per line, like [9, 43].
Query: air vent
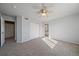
[26, 19]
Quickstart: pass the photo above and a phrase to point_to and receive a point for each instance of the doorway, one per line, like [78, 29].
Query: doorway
[9, 32]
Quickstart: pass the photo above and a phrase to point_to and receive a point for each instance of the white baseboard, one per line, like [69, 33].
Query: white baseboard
[66, 41]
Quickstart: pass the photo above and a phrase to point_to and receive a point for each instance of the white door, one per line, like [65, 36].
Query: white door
[2, 32]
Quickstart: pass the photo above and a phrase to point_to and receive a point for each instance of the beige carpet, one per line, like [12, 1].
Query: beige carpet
[39, 47]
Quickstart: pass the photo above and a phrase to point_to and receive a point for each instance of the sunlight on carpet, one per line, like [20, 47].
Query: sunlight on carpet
[50, 42]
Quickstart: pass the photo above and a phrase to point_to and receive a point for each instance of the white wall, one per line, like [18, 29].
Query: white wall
[28, 30]
[66, 29]
[8, 18]
[19, 29]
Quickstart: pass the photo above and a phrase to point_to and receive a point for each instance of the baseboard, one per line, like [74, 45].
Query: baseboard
[66, 41]
[30, 39]
[19, 41]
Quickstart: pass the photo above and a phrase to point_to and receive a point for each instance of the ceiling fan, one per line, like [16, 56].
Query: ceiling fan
[43, 10]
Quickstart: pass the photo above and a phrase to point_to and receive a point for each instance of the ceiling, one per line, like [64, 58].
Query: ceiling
[29, 10]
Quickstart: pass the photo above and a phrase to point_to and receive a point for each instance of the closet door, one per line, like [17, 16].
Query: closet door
[34, 30]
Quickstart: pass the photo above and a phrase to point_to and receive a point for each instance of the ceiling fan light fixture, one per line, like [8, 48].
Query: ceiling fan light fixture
[44, 12]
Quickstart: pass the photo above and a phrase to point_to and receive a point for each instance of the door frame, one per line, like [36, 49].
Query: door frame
[0, 31]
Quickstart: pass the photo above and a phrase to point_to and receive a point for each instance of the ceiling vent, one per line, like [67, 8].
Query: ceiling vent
[26, 18]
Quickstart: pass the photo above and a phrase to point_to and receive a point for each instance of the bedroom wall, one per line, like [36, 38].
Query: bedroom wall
[8, 18]
[28, 29]
[65, 29]
[18, 30]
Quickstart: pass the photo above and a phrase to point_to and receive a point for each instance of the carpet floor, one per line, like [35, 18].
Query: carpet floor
[39, 47]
